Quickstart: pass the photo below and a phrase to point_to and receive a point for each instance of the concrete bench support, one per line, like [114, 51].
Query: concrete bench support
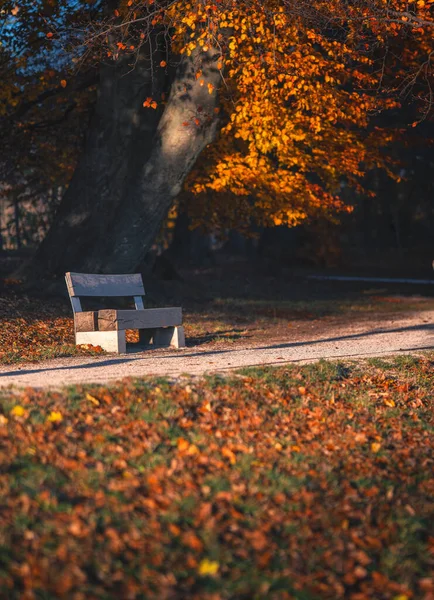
[110, 341]
[170, 336]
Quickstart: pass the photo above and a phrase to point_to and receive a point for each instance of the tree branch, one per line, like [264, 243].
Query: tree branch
[27, 106]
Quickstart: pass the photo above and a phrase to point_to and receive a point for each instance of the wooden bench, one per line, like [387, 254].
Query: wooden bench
[106, 328]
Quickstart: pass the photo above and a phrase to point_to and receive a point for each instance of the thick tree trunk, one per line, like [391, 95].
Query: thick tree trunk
[187, 126]
[98, 183]
[133, 166]
[17, 217]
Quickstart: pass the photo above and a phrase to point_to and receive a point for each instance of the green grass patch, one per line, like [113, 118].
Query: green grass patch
[298, 482]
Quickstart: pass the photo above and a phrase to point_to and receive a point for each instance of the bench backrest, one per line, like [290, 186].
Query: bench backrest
[86, 285]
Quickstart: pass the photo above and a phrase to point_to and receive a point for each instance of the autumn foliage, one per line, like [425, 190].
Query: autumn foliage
[296, 105]
[300, 83]
[296, 483]
[36, 329]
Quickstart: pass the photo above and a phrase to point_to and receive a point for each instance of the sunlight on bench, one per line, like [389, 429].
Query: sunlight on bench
[106, 328]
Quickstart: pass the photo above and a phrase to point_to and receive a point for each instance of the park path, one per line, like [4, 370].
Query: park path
[393, 335]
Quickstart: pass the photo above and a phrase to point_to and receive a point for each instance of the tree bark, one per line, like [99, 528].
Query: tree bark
[133, 165]
[187, 126]
[17, 217]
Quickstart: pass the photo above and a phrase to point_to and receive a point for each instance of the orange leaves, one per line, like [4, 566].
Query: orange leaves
[150, 103]
[185, 448]
[127, 488]
[191, 540]
[290, 93]
[63, 83]
[227, 453]
[43, 330]
[258, 540]
[375, 447]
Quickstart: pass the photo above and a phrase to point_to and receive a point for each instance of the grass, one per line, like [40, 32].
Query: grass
[284, 483]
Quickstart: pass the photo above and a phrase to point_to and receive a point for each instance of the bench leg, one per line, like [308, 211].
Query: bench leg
[178, 339]
[110, 341]
[170, 336]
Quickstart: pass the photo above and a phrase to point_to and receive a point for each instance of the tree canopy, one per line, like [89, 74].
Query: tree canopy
[293, 88]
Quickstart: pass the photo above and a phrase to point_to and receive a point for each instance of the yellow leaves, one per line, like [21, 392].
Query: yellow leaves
[92, 399]
[375, 447]
[18, 411]
[227, 453]
[55, 417]
[285, 96]
[208, 568]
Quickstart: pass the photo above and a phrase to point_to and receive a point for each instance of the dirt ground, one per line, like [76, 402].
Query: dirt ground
[391, 337]
[235, 316]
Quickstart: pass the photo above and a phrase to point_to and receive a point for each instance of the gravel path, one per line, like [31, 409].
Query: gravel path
[397, 335]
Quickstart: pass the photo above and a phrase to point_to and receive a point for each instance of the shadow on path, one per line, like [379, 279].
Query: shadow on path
[116, 361]
[313, 342]
[105, 363]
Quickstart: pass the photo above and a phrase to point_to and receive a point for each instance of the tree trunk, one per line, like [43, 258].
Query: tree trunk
[133, 165]
[16, 206]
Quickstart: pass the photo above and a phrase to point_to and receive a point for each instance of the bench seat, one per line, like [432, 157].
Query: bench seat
[120, 320]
